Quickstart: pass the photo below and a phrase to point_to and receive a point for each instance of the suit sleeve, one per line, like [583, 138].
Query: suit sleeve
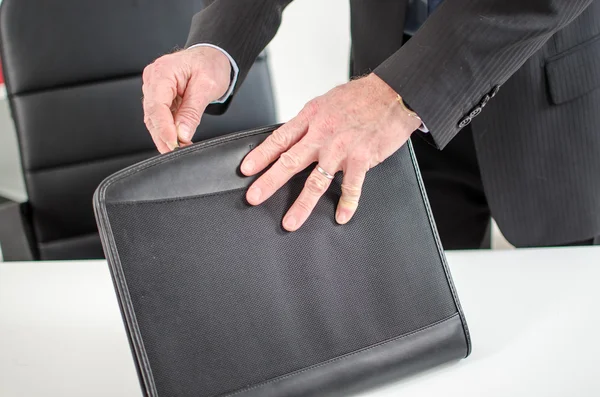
[243, 28]
[453, 65]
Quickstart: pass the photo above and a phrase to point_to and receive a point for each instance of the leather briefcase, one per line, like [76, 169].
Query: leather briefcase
[219, 301]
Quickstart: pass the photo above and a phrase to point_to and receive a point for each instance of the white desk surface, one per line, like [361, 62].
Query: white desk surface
[534, 316]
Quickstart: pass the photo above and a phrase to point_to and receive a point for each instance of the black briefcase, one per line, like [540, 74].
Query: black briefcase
[220, 301]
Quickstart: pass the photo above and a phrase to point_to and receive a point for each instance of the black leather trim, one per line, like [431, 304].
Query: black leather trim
[435, 344]
[355, 372]
[438, 243]
[190, 176]
[125, 305]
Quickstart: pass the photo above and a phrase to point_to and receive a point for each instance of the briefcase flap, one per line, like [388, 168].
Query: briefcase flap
[219, 300]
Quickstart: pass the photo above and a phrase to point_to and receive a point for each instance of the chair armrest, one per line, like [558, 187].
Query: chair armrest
[15, 233]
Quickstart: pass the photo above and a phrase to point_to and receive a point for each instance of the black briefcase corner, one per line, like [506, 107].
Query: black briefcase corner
[219, 301]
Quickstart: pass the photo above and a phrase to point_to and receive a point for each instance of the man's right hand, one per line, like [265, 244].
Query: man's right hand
[177, 89]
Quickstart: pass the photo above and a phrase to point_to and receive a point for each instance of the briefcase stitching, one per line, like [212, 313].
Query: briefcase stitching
[336, 359]
[438, 243]
[134, 334]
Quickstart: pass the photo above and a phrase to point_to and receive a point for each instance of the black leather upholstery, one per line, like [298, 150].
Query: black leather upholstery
[15, 233]
[73, 76]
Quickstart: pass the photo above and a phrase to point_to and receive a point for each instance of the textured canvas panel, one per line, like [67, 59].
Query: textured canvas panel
[225, 299]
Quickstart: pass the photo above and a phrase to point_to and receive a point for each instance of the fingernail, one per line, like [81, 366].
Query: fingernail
[290, 223]
[248, 167]
[184, 132]
[342, 216]
[254, 195]
[173, 145]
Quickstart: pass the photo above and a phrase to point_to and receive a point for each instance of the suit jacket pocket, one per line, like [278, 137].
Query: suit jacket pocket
[575, 72]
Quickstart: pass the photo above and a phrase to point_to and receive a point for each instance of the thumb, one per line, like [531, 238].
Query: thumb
[189, 113]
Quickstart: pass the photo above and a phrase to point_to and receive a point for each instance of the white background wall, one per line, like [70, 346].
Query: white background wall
[309, 55]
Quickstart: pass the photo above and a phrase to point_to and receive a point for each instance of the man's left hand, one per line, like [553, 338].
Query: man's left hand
[352, 128]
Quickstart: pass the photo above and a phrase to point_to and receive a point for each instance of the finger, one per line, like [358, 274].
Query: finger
[158, 142]
[160, 145]
[316, 185]
[289, 164]
[158, 98]
[189, 113]
[176, 104]
[354, 177]
[275, 145]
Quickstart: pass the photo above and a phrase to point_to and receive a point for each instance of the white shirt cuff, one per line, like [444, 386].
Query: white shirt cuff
[423, 127]
[234, 67]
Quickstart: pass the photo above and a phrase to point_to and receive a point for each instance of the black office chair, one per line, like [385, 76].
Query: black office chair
[73, 78]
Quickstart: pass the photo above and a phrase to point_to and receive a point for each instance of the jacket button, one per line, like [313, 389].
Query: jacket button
[494, 91]
[475, 112]
[485, 100]
[464, 122]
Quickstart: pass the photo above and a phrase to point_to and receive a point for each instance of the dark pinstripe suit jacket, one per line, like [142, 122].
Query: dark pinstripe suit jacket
[537, 140]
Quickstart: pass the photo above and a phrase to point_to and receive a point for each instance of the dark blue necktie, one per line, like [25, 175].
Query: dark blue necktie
[432, 5]
[417, 13]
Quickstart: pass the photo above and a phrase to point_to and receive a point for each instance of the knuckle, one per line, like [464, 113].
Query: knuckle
[161, 61]
[351, 192]
[209, 83]
[148, 119]
[316, 185]
[157, 69]
[311, 108]
[304, 206]
[279, 139]
[189, 113]
[158, 127]
[151, 108]
[176, 104]
[289, 161]
[162, 67]
[149, 127]
[147, 72]
[268, 181]
[156, 122]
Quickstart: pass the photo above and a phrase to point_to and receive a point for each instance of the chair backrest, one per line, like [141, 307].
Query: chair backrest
[73, 77]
